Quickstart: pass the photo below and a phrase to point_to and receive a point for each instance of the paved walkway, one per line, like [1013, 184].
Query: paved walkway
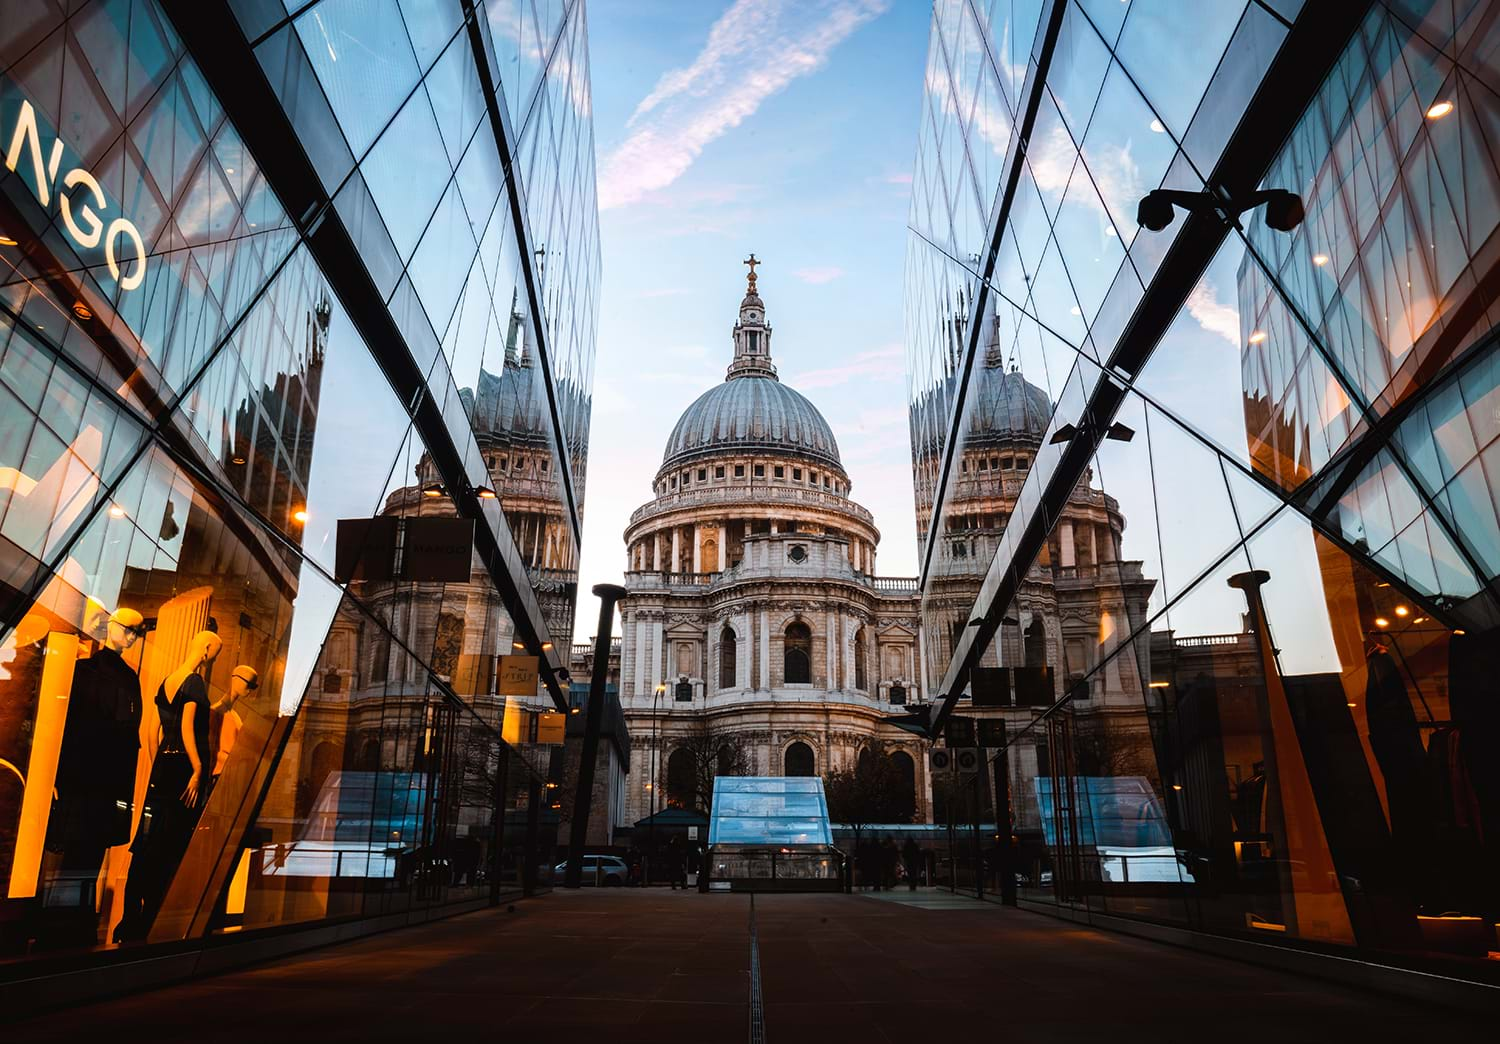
[624, 966]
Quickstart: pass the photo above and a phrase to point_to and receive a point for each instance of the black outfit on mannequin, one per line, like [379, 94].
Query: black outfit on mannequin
[1397, 744]
[1474, 699]
[95, 781]
[166, 822]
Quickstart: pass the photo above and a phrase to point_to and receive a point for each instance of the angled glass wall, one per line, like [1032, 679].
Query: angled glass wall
[1208, 521]
[262, 271]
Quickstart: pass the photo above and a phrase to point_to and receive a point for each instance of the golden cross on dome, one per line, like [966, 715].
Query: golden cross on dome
[752, 262]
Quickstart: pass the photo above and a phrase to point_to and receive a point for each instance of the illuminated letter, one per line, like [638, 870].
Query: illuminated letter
[118, 227]
[84, 239]
[26, 133]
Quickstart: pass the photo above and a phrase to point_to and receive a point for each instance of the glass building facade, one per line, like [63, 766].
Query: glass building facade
[1209, 539]
[266, 272]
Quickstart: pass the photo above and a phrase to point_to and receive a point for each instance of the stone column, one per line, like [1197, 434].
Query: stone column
[744, 652]
[1065, 544]
[764, 650]
[658, 655]
[723, 540]
[676, 549]
[638, 653]
[1093, 543]
[697, 548]
[656, 551]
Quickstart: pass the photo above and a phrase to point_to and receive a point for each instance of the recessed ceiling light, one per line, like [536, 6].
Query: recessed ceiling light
[236, 460]
[7, 241]
[1074, 310]
[1320, 260]
[1156, 125]
[1439, 110]
[300, 514]
[228, 170]
[1401, 610]
[1257, 337]
[82, 310]
[116, 511]
[1381, 621]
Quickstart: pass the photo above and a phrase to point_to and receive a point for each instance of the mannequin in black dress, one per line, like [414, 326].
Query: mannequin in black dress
[174, 797]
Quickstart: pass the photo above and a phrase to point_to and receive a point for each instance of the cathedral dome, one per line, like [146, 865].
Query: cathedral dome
[752, 414]
[1009, 406]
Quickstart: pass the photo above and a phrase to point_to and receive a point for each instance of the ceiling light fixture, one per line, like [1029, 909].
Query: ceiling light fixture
[1439, 110]
[300, 514]
[83, 311]
[1157, 127]
[1257, 337]
[116, 511]
[434, 490]
[7, 241]
[485, 493]
[1401, 610]
[1320, 260]
[236, 460]
[1381, 621]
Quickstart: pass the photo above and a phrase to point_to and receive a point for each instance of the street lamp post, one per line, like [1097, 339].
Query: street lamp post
[651, 784]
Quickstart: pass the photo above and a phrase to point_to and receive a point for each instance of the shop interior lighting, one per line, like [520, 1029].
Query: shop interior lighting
[116, 511]
[236, 460]
[1439, 110]
[1320, 259]
[485, 493]
[434, 490]
[82, 310]
[1401, 610]
[1157, 126]
[7, 241]
[1381, 621]
[300, 514]
[1161, 685]
[1257, 337]
[546, 646]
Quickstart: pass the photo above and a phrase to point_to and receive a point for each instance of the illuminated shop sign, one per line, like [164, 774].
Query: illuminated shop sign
[80, 202]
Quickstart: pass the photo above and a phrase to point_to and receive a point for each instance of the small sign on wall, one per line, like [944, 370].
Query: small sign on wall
[517, 675]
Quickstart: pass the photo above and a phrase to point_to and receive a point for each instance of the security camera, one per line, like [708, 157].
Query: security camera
[1284, 210]
[1154, 212]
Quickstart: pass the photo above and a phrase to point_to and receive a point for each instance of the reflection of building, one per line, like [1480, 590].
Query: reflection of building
[1308, 638]
[753, 599]
[195, 393]
[1075, 602]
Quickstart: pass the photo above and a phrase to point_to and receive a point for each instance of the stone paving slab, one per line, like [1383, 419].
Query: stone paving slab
[622, 966]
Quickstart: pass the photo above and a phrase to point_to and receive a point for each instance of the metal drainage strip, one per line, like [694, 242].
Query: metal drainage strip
[757, 1009]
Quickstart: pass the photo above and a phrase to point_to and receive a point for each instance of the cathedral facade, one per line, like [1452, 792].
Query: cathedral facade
[757, 638]
[755, 626]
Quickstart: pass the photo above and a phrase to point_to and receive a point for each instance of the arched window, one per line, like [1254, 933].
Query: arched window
[860, 681]
[906, 787]
[798, 760]
[682, 780]
[1035, 643]
[796, 656]
[728, 664]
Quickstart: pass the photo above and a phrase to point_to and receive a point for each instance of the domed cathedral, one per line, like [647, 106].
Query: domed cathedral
[756, 638]
[1076, 602]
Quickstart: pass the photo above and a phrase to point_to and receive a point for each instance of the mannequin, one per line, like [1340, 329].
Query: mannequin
[1396, 743]
[242, 682]
[176, 791]
[95, 784]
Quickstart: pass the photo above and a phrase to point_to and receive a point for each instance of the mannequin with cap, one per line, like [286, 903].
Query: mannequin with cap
[95, 782]
[243, 681]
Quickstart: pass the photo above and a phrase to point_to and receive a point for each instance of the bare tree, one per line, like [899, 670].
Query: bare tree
[873, 791]
[698, 755]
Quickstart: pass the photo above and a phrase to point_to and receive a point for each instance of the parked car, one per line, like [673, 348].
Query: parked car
[607, 870]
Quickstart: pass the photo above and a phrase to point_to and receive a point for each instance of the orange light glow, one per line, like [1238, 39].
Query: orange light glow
[82, 310]
[300, 515]
[1401, 610]
[1381, 621]
[1439, 110]
[1257, 337]
[7, 241]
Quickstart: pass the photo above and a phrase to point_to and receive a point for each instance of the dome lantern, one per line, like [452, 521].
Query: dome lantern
[752, 334]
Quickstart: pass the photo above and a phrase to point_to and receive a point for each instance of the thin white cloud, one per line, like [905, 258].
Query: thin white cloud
[670, 291]
[1213, 315]
[755, 50]
[882, 365]
[819, 275]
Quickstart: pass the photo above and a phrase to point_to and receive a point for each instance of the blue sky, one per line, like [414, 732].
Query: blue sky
[783, 127]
